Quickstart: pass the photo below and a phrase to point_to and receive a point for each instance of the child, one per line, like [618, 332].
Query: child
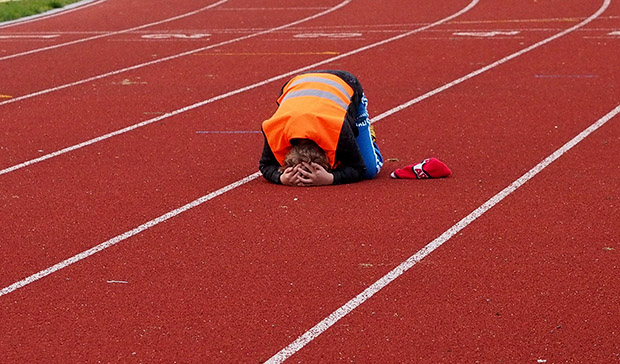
[320, 134]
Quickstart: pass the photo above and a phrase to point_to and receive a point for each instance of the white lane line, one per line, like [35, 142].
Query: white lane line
[29, 36]
[345, 309]
[269, 9]
[151, 223]
[52, 13]
[486, 34]
[117, 239]
[113, 33]
[165, 59]
[231, 93]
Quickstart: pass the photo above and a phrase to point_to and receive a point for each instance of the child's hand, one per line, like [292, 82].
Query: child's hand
[290, 177]
[314, 175]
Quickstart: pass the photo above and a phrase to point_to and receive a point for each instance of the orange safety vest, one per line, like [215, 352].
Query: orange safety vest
[312, 106]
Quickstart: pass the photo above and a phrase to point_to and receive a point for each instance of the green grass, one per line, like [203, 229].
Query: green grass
[16, 9]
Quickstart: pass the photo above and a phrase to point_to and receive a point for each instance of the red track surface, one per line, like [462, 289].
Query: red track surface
[242, 275]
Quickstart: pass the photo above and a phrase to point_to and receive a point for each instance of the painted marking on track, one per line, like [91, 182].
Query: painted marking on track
[121, 282]
[228, 132]
[267, 54]
[486, 34]
[263, 9]
[565, 76]
[177, 36]
[128, 82]
[328, 35]
[78, 257]
[114, 33]
[548, 20]
[615, 32]
[30, 36]
[5, 96]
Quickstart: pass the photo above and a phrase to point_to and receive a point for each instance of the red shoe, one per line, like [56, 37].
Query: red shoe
[429, 168]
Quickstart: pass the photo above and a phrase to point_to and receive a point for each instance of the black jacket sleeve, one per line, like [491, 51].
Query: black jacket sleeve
[350, 165]
[269, 165]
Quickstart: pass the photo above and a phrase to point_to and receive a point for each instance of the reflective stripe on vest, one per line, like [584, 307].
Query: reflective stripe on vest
[318, 93]
[312, 106]
[340, 95]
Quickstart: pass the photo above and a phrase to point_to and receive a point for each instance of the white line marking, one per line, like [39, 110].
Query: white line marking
[121, 282]
[113, 33]
[486, 34]
[175, 35]
[52, 13]
[269, 9]
[228, 94]
[42, 36]
[616, 32]
[565, 76]
[167, 216]
[327, 35]
[228, 132]
[117, 239]
[345, 309]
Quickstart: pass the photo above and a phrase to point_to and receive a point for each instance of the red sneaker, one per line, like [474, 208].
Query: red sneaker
[429, 168]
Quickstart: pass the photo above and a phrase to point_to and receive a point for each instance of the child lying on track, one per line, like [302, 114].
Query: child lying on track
[320, 134]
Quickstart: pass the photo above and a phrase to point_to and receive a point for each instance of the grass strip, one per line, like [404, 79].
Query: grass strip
[15, 9]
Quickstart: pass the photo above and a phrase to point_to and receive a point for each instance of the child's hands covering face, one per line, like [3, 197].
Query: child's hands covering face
[290, 177]
[312, 174]
[306, 174]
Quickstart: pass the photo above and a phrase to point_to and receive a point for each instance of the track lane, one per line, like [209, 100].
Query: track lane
[168, 93]
[108, 170]
[239, 208]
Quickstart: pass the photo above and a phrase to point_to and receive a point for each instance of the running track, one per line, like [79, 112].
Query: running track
[514, 258]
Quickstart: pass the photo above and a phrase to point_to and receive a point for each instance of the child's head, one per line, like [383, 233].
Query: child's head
[305, 150]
